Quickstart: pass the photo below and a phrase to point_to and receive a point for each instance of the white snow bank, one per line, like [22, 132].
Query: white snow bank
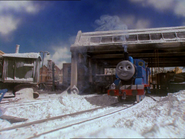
[46, 106]
[116, 133]
[75, 102]
[26, 93]
[163, 118]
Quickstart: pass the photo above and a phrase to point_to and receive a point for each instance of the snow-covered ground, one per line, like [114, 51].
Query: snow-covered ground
[162, 118]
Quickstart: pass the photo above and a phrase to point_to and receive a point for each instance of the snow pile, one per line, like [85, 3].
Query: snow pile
[165, 119]
[46, 106]
[106, 127]
[75, 102]
[26, 93]
[116, 133]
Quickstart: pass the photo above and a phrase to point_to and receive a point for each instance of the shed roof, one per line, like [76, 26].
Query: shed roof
[160, 47]
[23, 55]
[126, 37]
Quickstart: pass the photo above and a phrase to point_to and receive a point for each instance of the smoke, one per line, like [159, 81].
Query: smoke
[125, 48]
[107, 22]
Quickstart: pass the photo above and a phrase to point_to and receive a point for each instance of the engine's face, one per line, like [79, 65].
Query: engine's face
[125, 70]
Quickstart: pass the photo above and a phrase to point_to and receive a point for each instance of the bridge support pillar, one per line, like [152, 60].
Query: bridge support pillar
[81, 74]
[74, 67]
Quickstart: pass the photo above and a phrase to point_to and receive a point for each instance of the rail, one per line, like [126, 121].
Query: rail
[70, 121]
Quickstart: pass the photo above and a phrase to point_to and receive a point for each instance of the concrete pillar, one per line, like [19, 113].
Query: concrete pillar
[66, 74]
[74, 69]
[83, 72]
[90, 71]
[79, 71]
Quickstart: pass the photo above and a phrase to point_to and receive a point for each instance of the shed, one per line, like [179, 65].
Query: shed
[20, 67]
[92, 52]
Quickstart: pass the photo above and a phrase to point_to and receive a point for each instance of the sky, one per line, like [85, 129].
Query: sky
[53, 25]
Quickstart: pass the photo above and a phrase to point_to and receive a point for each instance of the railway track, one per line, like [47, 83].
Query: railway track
[96, 117]
[28, 126]
[54, 118]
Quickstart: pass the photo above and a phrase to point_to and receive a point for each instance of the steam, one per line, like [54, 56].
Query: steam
[125, 48]
[107, 22]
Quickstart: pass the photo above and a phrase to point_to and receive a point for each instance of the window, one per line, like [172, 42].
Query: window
[24, 69]
[19, 69]
[156, 36]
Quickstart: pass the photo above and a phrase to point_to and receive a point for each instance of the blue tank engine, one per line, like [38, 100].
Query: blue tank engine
[132, 79]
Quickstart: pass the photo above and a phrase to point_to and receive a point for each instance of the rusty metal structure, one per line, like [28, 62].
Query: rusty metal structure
[92, 52]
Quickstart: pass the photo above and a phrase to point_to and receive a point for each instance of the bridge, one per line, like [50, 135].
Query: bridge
[94, 51]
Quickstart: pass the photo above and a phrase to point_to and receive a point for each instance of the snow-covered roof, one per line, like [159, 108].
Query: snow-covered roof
[23, 55]
[136, 36]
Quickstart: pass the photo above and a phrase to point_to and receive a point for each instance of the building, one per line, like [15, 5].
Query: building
[43, 74]
[46, 73]
[58, 74]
